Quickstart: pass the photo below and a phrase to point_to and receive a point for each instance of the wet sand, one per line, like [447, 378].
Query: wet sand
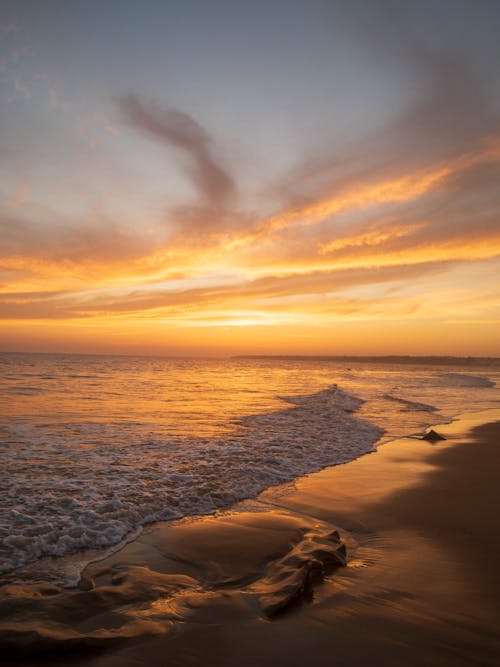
[388, 560]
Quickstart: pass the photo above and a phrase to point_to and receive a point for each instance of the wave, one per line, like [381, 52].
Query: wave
[465, 380]
[24, 390]
[76, 493]
[411, 405]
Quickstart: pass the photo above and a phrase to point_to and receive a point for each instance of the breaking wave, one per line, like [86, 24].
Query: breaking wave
[67, 494]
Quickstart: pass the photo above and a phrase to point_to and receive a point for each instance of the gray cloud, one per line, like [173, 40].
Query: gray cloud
[454, 107]
[176, 128]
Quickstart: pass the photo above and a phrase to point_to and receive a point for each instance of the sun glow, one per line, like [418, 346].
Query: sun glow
[156, 235]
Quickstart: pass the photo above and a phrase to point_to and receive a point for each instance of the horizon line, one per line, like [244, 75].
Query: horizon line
[284, 357]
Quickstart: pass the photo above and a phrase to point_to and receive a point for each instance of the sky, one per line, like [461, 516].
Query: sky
[229, 177]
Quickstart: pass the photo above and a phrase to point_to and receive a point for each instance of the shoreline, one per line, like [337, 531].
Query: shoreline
[472, 418]
[420, 585]
[47, 568]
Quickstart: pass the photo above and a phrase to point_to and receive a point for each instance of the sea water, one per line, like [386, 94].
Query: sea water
[95, 447]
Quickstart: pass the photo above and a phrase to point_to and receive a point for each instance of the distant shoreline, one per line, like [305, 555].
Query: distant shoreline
[370, 358]
[403, 359]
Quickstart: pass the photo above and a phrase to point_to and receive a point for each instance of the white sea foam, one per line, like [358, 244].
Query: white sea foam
[63, 498]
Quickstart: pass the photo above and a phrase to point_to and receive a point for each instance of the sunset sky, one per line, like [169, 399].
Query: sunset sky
[223, 177]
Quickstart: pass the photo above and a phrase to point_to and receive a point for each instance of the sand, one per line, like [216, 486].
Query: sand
[267, 584]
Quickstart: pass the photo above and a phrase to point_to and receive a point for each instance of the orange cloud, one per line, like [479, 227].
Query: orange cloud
[352, 257]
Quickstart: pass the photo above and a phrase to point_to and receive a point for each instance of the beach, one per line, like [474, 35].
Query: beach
[249, 342]
[389, 559]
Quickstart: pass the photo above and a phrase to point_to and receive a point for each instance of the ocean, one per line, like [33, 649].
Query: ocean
[95, 447]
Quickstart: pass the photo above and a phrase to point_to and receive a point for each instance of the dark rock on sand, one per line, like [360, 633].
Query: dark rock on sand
[291, 579]
[433, 436]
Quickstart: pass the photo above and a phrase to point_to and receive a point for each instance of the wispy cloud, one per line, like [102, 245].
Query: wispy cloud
[177, 129]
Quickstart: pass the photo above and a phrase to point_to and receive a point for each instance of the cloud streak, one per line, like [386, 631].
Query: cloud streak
[177, 129]
[313, 291]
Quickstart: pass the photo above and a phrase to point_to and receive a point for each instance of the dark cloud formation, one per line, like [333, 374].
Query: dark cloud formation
[176, 128]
